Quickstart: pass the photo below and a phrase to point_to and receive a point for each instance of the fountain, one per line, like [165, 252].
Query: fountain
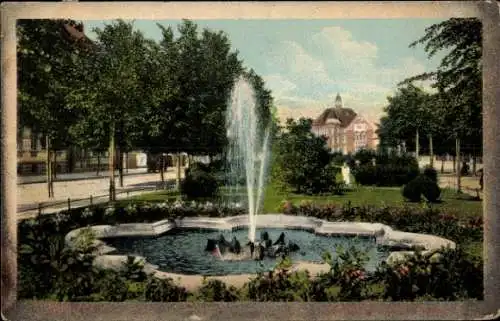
[248, 149]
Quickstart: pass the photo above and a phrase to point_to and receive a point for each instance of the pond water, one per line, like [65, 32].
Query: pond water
[183, 250]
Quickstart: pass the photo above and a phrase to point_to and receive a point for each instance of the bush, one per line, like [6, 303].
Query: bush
[431, 173]
[199, 183]
[446, 274]
[216, 291]
[431, 191]
[387, 170]
[413, 191]
[346, 280]
[279, 285]
[164, 290]
[422, 185]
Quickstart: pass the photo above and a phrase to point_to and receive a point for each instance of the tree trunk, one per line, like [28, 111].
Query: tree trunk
[112, 190]
[178, 176]
[442, 164]
[98, 162]
[474, 161]
[54, 165]
[120, 166]
[454, 164]
[126, 162]
[457, 148]
[431, 152]
[48, 166]
[417, 147]
[162, 170]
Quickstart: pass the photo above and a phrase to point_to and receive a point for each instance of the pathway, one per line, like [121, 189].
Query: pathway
[76, 176]
[30, 195]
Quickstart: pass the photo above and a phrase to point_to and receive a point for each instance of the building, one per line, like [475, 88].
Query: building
[345, 130]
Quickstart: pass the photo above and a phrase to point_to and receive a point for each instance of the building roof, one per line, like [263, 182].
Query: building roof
[344, 115]
[75, 32]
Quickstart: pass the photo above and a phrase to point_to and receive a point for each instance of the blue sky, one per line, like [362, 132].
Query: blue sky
[307, 62]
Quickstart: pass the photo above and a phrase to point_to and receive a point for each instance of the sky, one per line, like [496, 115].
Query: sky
[305, 63]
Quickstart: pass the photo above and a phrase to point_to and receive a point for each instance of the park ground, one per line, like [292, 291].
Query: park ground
[141, 186]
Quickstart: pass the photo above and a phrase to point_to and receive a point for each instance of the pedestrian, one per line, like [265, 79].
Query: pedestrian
[481, 181]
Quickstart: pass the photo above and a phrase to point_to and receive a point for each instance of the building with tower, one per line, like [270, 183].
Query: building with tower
[345, 130]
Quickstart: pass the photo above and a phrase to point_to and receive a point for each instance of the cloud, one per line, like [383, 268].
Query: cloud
[332, 60]
[339, 42]
[279, 84]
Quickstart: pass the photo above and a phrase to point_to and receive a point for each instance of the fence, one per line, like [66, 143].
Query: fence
[91, 200]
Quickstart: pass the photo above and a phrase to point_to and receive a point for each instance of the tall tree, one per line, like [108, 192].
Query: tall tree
[458, 77]
[301, 159]
[47, 58]
[407, 116]
[110, 94]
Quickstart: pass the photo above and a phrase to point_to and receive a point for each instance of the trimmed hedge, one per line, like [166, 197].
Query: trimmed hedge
[199, 182]
[422, 185]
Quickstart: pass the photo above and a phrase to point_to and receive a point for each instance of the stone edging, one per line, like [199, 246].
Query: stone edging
[385, 236]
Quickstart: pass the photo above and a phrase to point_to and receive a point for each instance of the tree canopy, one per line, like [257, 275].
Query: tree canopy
[455, 110]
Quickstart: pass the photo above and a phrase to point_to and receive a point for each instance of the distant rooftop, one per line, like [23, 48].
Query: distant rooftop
[343, 115]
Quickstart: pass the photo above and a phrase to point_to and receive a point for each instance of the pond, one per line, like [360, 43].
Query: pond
[182, 251]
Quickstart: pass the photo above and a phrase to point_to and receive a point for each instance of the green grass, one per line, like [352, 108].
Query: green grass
[376, 196]
[463, 206]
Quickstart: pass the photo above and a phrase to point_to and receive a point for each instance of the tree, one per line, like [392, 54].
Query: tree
[302, 159]
[46, 64]
[110, 91]
[458, 77]
[407, 115]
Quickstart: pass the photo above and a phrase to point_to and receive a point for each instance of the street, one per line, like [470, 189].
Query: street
[30, 195]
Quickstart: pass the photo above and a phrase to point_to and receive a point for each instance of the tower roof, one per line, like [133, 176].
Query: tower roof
[338, 101]
[343, 115]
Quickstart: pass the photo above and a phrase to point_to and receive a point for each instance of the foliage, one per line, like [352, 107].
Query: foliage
[216, 291]
[431, 173]
[413, 191]
[302, 160]
[346, 280]
[422, 185]
[457, 78]
[199, 182]
[279, 284]
[371, 168]
[164, 290]
[46, 62]
[446, 274]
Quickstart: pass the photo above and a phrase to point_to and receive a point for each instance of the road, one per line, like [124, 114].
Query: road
[76, 176]
[30, 195]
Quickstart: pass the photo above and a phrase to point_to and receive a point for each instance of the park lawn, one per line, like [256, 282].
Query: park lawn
[372, 196]
[375, 196]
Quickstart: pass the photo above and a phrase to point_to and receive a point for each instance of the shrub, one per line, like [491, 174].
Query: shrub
[199, 183]
[387, 170]
[422, 185]
[346, 280]
[110, 287]
[412, 191]
[164, 290]
[431, 191]
[446, 274]
[279, 285]
[431, 173]
[216, 291]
